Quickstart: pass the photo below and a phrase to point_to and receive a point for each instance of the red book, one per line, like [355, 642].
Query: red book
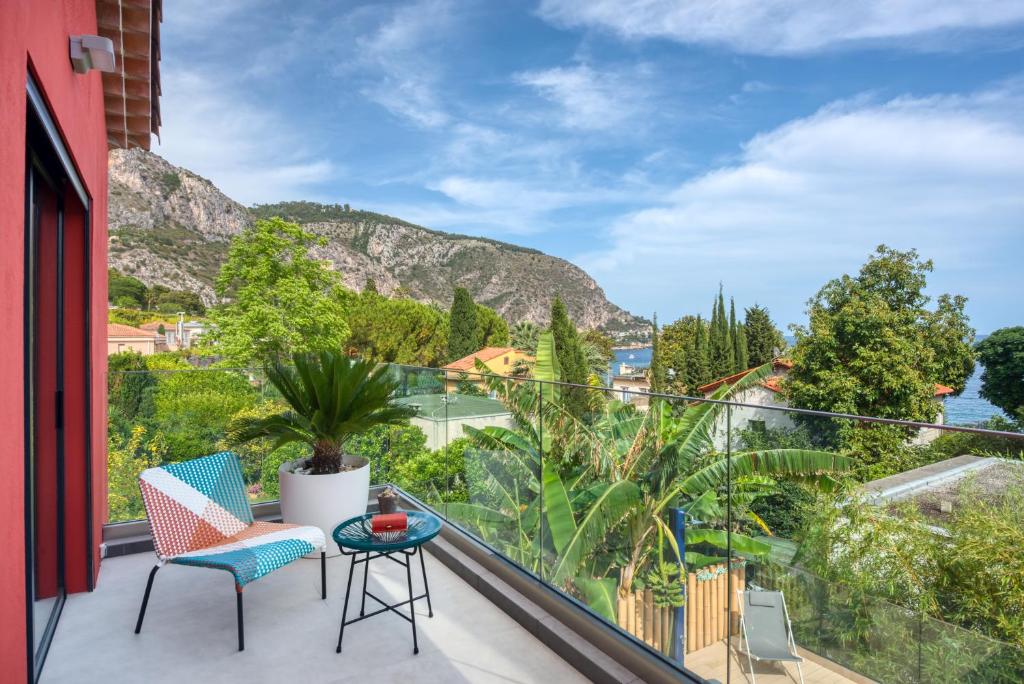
[389, 522]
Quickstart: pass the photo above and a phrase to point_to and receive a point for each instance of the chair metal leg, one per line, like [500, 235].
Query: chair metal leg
[344, 610]
[412, 606]
[241, 627]
[426, 587]
[366, 573]
[323, 574]
[145, 598]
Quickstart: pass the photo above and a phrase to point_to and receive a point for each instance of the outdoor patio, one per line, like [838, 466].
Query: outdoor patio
[189, 633]
[710, 664]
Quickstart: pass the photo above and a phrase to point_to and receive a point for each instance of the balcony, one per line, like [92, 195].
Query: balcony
[514, 599]
[291, 634]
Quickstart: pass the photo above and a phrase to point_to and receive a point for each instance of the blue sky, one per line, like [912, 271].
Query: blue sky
[664, 146]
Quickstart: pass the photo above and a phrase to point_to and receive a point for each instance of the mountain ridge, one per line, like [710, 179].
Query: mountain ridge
[172, 227]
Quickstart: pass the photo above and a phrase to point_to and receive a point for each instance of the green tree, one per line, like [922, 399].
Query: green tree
[130, 387]
[491, 328]
[740, 344]
[278, 299]
[371, 285]
[599, 350]
[679, 350]
[763, 338]
[720, 349]
[193, 408]
[1002, 382]
[869, 350]
[951, 337]
[524, 337]
[462, 328]
[698, 364]
[739, 340]
[396, 330]
[656, 374]
[121, 286]
[571, 357]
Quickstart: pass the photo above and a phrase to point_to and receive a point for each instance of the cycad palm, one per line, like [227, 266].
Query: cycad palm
[331, 398]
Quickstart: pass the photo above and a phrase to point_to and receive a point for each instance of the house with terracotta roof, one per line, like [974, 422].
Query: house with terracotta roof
[769, 394]
[122, 338]
[499, 361]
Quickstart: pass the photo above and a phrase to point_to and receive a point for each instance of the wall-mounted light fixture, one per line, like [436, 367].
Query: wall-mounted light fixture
[92, 52]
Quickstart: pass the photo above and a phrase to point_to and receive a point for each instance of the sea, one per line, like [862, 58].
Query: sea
[967, 409]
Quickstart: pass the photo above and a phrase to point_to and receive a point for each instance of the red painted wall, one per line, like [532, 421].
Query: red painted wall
[34, 37]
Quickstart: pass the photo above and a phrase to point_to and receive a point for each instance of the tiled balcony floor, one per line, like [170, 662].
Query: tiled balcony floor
[189, 634]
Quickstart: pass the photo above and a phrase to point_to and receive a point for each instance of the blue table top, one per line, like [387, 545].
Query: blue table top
[355, 533]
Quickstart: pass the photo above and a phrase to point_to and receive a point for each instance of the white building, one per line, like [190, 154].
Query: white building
[768, 394]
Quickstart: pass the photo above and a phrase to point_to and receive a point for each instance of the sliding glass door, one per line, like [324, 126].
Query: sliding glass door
[45, 400]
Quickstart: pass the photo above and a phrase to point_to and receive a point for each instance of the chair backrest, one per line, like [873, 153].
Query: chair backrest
[766, 624]
[195, 504]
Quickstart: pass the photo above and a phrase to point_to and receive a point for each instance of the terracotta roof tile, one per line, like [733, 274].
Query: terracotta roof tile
[942, 390]
[777, 364]
[468, 363]
[121, 330]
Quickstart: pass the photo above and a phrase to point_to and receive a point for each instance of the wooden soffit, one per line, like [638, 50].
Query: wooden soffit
[131, 94]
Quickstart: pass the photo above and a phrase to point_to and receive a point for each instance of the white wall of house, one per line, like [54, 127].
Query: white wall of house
[743, 415]
[436, 433]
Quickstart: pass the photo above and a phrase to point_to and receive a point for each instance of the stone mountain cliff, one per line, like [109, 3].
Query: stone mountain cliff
[170, 226]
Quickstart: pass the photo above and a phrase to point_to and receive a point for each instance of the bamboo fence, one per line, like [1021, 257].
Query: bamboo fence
[707, 621]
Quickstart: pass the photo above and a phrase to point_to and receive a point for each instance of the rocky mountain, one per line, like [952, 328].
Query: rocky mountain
[172, 227]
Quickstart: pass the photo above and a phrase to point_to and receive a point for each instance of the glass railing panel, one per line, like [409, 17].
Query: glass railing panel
[496, 436]
[411, 455]
[161, 416]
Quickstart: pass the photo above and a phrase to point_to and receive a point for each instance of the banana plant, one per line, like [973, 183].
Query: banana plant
[674, 463]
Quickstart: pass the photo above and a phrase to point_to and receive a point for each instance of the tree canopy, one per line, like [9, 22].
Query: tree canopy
[277, 298]
[396, 330]
[873, 348]
[1002, 382]
[763, 338]
[491, 328]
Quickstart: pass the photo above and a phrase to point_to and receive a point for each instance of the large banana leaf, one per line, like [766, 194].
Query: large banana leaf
[787, 462]
[546, 370]
[741, 543]
[558, 510]
[606, 510]
[600, 595]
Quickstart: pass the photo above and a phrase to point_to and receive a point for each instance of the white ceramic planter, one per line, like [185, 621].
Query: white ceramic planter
[324, 500]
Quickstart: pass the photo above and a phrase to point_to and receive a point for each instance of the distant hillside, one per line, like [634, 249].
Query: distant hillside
[172, 227]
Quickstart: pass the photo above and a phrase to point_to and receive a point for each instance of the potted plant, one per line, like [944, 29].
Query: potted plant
[330, 399]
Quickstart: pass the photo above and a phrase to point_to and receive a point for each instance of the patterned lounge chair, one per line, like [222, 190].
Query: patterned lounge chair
[199, 515]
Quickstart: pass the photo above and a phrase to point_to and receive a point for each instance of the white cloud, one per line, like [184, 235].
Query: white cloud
[809, 200]
[587, 99]
[397, 56]
[782, 26]
[251, 153]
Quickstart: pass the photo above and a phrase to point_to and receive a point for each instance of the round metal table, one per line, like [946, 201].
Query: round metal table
[355, 539]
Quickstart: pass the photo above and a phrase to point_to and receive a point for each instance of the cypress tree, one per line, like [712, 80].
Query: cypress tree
[740, 344]
[656, 373]
[571, 360]
[720, 349]
[763, 338]
[698, 371]
[370, 287]
[462, 325]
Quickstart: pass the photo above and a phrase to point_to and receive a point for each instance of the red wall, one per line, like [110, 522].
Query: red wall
[34, 37]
